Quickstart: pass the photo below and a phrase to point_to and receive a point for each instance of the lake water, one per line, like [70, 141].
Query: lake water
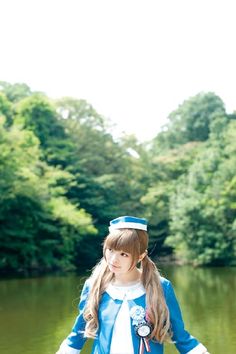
[37, 313]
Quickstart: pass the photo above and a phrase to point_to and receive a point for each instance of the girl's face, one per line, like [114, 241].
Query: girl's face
[119, 262]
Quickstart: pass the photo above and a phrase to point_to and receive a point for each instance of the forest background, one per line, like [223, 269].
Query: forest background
[63, 177]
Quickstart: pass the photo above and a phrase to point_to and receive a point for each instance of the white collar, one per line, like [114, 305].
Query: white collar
[128, 292]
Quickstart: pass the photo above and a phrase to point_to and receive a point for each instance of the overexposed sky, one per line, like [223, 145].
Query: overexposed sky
[135, 61]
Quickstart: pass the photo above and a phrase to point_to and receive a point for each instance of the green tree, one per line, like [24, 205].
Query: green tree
[39, 227]
[108, 176]
[164, 172]
[38, 114]
[190, 121]
[15, 92]
[203, 209]
[6, 109]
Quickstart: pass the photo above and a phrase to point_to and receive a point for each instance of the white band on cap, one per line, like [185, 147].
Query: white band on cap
[128, 225]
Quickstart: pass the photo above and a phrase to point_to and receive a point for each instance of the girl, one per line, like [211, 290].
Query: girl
[125, 305]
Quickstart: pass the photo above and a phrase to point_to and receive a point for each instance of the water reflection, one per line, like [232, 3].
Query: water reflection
[37, 313]
[208, 301]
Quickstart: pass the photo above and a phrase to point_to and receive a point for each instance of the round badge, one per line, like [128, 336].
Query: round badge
[144, 330]
[137, 313]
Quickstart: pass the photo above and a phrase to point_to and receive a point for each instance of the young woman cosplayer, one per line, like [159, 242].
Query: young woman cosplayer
[125, 305]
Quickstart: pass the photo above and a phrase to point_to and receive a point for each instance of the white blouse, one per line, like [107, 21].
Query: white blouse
[121, 342]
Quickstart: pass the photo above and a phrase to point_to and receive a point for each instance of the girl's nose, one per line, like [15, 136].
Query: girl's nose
[114, 258]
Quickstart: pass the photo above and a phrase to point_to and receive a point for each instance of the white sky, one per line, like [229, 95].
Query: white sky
[135, 61]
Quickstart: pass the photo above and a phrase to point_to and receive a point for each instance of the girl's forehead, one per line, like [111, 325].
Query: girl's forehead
[117, 246]
[118, 242]
[122, 245]
[126, 240]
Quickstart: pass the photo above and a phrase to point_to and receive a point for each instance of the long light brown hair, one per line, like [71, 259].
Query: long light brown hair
[134, 242]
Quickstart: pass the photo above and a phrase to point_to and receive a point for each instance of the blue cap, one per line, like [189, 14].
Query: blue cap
[128, 222]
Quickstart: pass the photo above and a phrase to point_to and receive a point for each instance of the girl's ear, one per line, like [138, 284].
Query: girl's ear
[142, 256]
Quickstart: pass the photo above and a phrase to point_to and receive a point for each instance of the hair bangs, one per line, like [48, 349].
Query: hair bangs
[125, 240]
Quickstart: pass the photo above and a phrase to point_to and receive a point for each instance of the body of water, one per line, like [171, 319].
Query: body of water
[37, 313]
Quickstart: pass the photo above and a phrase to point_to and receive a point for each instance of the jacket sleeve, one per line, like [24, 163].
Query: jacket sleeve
[75, 340]
[183, 340]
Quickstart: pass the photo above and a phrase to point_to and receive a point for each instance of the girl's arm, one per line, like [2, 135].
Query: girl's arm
[183, 340]
[75, 340]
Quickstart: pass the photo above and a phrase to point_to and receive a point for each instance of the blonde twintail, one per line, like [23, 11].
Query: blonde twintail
[158, 312]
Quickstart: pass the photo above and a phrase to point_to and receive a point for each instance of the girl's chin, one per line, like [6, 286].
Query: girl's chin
[113, 268]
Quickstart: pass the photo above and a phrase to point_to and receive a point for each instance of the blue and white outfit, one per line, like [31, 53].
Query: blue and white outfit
[114, 318]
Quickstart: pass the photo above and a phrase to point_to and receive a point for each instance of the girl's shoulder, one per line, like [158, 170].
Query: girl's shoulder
[164, 280]
[165, 283]
[86, 287]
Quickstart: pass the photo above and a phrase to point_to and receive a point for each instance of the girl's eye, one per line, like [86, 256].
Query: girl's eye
[124, 254]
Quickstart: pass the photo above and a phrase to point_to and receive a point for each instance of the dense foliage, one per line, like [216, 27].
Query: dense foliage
[64, 176]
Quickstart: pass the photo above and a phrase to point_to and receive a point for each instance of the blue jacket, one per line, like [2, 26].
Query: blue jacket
[108, 310]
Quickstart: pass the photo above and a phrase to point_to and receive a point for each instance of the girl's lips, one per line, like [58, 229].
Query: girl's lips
[113, 266]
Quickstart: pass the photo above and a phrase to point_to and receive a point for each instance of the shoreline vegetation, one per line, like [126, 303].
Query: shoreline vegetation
[64, 177]
[162, 261]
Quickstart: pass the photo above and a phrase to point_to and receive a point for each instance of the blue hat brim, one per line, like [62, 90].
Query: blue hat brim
[128, 222]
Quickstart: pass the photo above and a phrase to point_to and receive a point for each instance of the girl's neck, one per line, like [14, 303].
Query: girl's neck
[127, 279]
